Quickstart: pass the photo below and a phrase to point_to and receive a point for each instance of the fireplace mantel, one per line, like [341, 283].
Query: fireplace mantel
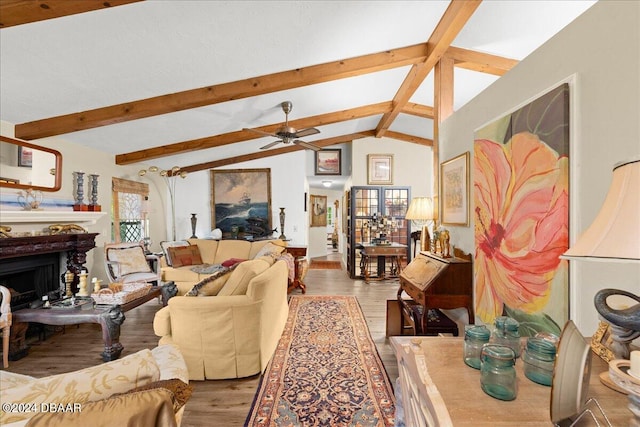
[49, 217]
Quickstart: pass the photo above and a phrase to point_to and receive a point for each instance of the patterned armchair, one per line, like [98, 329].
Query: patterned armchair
[127, 262]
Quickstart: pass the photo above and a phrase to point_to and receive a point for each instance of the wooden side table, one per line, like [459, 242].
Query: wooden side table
[394, 252]
[299, 254]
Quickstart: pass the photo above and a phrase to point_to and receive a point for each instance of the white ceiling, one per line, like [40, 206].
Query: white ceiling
[155, 47]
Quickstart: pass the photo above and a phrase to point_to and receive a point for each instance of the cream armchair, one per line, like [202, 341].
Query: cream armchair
[126, 263]
[5, 324]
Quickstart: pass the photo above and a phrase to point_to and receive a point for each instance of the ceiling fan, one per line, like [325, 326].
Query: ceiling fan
[288, 134]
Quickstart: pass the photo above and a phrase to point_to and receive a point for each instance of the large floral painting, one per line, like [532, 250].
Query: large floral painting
[521, 170]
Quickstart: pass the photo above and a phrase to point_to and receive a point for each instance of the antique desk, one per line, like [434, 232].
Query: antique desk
[434, 282]
[394, 251]
[437, 386]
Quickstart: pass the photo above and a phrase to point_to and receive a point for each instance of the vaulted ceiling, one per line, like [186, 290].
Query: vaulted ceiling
[175, 82]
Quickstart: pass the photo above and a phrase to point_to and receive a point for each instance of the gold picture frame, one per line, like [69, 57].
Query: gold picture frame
[454, 190]
[600, 342]
[318, 210]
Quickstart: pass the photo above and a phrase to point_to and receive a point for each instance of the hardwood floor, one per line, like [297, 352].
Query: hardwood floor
[221, 402]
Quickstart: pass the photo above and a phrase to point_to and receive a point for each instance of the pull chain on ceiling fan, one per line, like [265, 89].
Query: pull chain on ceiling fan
[287, 134]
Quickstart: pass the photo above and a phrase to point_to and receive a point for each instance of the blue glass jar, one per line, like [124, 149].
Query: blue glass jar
[538, 357]
[474, 338]
[506, 332]
[498, 372]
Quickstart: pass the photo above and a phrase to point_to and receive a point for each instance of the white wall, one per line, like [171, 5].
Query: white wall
[79, 158]
[193, 195]
[318, 235]
[602, 49]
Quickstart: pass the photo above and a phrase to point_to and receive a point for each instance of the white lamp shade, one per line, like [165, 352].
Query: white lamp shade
[615, 233]
[421, 208]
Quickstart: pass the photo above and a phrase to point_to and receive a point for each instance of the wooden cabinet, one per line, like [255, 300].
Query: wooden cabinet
[362, 204]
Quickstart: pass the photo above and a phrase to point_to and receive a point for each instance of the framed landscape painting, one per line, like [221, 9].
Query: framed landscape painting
[329, 162]
[521, 213]
[242, 198]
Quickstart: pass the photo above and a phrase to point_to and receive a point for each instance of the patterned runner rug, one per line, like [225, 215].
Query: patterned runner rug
[326, 370]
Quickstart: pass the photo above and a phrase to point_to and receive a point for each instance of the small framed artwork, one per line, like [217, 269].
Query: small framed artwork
[318, 211]
[25, 157]
[454, 190]
[601, 342]
[380, 169]
[329, 162]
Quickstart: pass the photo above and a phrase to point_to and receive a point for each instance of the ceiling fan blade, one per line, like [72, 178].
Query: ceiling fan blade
[261, 132]
[271, 144]
[307, 145]
[306, 132]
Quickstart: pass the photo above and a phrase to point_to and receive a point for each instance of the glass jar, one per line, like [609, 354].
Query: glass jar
[498, 372]
[538, 357]
[474, 338]
[506, 332]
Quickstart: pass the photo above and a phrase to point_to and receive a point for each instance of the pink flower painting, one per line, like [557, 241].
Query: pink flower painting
[521, 226]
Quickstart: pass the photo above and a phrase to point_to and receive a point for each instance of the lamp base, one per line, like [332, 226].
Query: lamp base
[425, 239]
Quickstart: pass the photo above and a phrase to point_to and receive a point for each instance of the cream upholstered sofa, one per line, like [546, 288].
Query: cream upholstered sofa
[234, 333]
[211, 252]
[145, 388]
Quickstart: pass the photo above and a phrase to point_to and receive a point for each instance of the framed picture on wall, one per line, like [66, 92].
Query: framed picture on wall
[318, 211]
[380, 169]
[329, 162]
[242, 198]
[25, 157]
[454, 190]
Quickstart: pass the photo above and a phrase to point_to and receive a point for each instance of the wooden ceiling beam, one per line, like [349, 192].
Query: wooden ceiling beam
[275, 152]
[419, 110]
[214, 94]
[245, 135]
[409, 138]
[455, 17]
[17, 12]
[478, 61]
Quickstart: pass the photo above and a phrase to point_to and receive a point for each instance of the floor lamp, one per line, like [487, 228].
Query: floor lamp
[421, 213]
[614, 236]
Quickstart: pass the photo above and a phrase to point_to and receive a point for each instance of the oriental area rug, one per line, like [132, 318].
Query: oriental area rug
[326, 370]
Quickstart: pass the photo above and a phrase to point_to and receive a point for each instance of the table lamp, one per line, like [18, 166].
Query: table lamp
[614, 236]
[421, 212]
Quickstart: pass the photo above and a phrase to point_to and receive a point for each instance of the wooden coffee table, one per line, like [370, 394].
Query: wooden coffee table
[109, 317]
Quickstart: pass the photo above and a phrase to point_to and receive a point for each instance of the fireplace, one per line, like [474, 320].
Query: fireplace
[29, 278]
[30, 266]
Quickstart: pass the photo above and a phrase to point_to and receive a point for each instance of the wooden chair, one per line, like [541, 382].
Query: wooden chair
[5, 324]
[127, 262]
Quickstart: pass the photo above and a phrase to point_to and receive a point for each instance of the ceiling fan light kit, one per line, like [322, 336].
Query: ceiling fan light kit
[287, 134]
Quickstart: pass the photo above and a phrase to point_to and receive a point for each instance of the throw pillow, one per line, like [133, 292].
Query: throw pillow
[210, 286]
[181, 391]
[185, 255]
[239, 280]
[129, 260]
[165, 245]
[232, 261]
[143, 408]
[269, 249]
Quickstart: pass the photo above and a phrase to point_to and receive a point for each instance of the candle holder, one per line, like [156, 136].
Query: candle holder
[79, 204]
[93, 183]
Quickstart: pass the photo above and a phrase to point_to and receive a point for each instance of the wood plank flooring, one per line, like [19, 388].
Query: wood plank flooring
[221, 402]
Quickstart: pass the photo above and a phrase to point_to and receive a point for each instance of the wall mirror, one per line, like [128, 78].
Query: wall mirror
[24, 165]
